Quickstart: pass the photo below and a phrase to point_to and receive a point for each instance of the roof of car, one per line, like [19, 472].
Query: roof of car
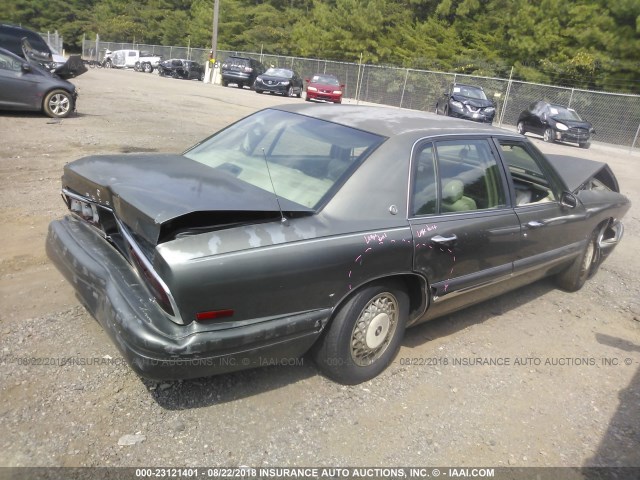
[467, 85]
[388, 121]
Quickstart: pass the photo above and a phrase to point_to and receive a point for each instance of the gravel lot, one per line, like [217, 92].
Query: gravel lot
[552, 411]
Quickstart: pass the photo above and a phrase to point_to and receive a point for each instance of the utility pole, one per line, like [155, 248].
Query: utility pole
[214, 34]
[210, 71]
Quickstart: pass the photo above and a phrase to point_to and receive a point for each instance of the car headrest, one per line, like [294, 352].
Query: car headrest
[452, 191]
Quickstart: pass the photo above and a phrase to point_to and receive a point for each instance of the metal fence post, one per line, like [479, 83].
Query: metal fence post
[571, 97]
[406, 77]
[634, 139]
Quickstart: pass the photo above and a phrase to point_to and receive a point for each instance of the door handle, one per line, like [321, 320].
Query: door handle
[439, 239]
[535, 224]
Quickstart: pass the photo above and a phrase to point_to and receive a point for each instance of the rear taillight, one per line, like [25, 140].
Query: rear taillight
[152, 283]
[214, 315]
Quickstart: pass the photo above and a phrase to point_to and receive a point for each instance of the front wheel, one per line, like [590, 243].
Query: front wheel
[289, 92]
[58, 104]
[583, 267]
[365, 334]
[521, 129]
[548, 135]
[586, 144]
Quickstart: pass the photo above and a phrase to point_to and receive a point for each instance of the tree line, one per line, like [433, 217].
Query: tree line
[592, 44]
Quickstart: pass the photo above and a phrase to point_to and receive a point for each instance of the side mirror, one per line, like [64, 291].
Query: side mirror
[568, 200]
[446, 94]
[307, 80]
[26, 68]
[343, 85]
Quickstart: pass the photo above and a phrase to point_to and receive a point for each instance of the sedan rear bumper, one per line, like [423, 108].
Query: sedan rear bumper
[155, 347]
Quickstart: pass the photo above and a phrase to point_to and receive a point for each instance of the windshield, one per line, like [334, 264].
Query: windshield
[307, 158]
[563, 113]
[325, 79]
[470, 92]
[279, 72]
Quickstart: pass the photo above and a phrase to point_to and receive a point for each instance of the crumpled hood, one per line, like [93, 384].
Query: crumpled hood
[576, 172]
[474, 102]
[148, 191]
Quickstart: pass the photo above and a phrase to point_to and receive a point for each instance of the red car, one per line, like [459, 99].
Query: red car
[325, 88]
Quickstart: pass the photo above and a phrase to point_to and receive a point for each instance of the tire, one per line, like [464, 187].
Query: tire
[446, 111]
[436, 112]
[108, 64]
[58, 104]
[258, 91]
[289, 92]
[586, 144]
[583, 267]
[548, 135]
[201, 78]
[299, 94]
[307, 99]
[240, 85]
[365, 334]
[225, 83]
[136, 66]
[521, 129]
[147, 68]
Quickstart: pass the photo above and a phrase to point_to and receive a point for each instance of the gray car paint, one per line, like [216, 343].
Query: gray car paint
[306, 267]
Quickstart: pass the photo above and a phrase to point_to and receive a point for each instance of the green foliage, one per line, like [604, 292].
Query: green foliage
[591, 44]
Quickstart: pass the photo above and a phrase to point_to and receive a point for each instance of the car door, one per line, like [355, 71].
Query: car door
[18, 89]
[465, 233]
[551, 232]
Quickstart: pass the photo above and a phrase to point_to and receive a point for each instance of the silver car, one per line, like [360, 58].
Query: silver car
[25, 86]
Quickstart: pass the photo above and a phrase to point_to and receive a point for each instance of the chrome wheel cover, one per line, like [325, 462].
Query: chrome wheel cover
[374, 329]
[59, 104]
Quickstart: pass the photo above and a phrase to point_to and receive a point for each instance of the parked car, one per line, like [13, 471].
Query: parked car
[25, 86]
[181, 68]
[324, 88]
[313, 227]
[31, 46]
[136, 59]
[242, 71]
[555, 122]
[468, 102]
[279, 80]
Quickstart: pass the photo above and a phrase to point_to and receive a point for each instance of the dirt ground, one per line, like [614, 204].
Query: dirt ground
[567, 391]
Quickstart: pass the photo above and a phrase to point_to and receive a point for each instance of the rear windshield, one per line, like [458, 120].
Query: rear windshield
[306, 159]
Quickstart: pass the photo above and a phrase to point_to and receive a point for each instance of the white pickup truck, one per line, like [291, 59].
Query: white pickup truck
[136, 59]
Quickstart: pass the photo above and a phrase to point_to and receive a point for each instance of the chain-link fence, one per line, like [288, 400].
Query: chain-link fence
[54, 40]
[615, 117]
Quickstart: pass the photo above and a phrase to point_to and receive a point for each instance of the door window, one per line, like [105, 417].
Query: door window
[530, 183]
[468, 178]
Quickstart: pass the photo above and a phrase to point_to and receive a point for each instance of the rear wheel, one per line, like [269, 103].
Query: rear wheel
[147, 68]
[548, 135]
[583, 267]
[58, 104]
[240, 85]
[225, 83]
[365, 334]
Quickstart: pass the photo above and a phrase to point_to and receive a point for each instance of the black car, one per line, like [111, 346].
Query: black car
[181, 68]
[31, 46]
[468, 102]
[28, 86]
[280, 80]
[240, 70]
[310, 227]
[555, 122]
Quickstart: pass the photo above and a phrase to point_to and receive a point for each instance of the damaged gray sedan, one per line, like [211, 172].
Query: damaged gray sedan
[324, 229]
